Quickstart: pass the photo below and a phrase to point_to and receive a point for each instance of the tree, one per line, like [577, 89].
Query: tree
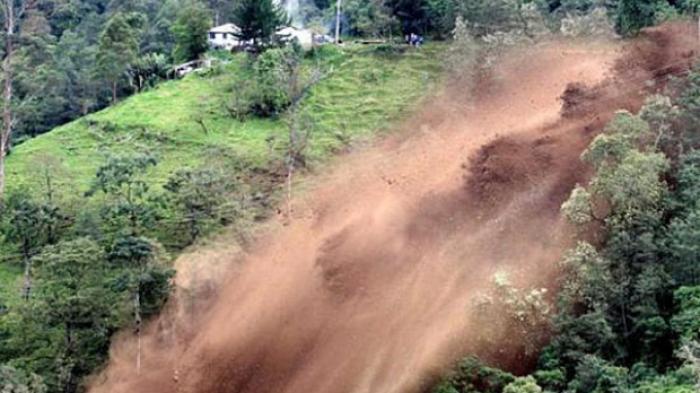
[16, 381]
[629, 179]
[73, 297]
[31, 225]
[11, 12]
[412, 14]
[144, 277]
[259, 20]
[190, 30]
[122, 179]
[578, 209]
[523, 385]
[686, 322]
[198, 196]
[76, 58]
[369, 18]
[471, 375]
[147, 71]
[595, 375]
[118, 47]
[633, 15]
[690, 352]
[683, 243]
[272, 72]
[442, 15]
[299, 123]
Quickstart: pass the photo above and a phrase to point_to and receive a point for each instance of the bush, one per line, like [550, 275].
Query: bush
[272, 73]
[326, 53]
[389, 49]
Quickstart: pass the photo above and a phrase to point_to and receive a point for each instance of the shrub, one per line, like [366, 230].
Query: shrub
[272, 73]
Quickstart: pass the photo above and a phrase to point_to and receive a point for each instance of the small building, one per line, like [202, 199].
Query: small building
[224, 36]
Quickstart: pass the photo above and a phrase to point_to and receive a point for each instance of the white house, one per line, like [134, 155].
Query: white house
[223, 37]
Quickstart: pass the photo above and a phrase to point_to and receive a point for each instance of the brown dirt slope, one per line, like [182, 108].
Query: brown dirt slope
[371, 286]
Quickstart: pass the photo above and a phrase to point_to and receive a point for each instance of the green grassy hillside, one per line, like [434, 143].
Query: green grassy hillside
[359, 97]
[364, 90]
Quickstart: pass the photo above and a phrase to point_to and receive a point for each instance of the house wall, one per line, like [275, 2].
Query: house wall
[223, 40]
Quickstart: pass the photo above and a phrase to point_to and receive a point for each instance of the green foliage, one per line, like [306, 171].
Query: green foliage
[26, 223]
[634, 185]
[472, 376]
[118, 47]
[688, 182]
[273, 72]
[442, 15]
[595, 375]
[578, 208]
[199, 200]
[629, 179]
[258, 20]
[140, 263]
[190, 30]
[123, 180]
[523, 385]
[684, 247]
[16, 381]
[72, 294]
[147, 70]
[372, 18]
[633, 15]
[689, 6]
[686, 321]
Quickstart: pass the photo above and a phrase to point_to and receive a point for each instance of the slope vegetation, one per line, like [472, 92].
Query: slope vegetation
[182, 122]
[187, 123]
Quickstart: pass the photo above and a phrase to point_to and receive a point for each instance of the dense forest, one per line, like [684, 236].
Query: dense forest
[99, 260]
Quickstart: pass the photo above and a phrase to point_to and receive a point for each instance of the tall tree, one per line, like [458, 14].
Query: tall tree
[147, 279]
[259, 20]
[122, 178]
[11, 12]
[190, 31]
[26, 229]
[73, 296]
[118, 47]
[198, 197]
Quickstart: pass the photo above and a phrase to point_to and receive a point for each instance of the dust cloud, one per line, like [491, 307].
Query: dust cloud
[370, 286]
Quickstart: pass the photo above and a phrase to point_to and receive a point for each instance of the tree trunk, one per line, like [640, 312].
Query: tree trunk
[2, 169]
[27, 285]
[6, 133]
[337, 22]
[137, 317]
[114, 92]
[290, 183]
[68, 372]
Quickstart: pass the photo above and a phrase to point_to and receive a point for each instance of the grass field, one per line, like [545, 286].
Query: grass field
[358, 99]
[364, 91]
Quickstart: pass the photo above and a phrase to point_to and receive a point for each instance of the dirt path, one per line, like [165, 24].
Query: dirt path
[371, 286]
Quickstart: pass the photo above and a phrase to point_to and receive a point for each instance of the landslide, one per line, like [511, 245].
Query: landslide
[371, 285]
